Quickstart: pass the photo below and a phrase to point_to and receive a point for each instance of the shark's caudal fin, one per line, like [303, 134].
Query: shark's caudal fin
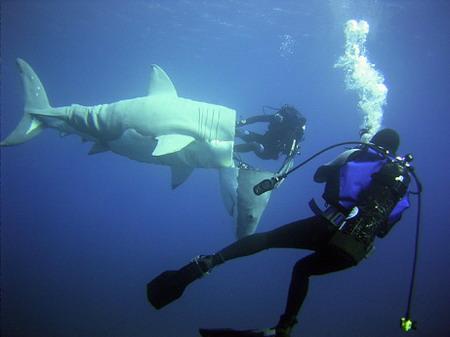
[35, 98]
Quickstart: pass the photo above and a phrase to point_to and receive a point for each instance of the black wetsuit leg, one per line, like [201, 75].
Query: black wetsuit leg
[252, 141]
[312, 233]
[246, 147]
[264, 146]
[318, 263]
[250, 136]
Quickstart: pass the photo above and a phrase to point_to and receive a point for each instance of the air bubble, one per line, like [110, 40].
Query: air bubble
[362, 76]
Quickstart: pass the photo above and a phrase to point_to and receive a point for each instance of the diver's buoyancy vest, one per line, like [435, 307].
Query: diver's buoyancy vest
[355, 176]
[375, 188]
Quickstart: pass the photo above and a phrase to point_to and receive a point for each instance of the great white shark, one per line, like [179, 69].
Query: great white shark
[160, 128]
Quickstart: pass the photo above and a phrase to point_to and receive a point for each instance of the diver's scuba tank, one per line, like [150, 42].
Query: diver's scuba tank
[369, 217]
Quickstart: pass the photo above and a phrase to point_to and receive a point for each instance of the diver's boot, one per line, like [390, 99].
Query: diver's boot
[170, 285]
[285, 325]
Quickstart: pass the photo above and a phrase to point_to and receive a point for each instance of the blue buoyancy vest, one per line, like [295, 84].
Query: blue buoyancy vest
[356, 175]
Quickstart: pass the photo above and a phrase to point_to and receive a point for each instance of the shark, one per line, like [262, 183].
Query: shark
[160, 128]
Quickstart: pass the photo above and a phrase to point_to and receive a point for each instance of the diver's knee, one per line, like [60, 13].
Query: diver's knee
[301, 269]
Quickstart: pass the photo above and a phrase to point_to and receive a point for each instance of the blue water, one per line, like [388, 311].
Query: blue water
[82, 235]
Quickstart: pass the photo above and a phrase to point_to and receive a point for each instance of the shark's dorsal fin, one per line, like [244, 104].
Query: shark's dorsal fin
[98, 148]
[160, 83]
[180, 174]
[171, 143]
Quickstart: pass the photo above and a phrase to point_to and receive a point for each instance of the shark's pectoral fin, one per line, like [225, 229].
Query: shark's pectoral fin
[171, 143]
[98, 148]
[180, 174]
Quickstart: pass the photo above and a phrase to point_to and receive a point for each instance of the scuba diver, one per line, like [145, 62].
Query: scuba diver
[366, 191]
[284, 127]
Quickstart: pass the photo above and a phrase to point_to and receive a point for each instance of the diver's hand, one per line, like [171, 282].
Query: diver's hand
[241, 122]
[278, 118]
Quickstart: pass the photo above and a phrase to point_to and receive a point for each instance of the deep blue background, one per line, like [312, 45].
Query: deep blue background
[81, 236]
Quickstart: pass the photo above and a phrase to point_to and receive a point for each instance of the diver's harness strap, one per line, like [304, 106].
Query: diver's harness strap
[331, 213]
[345, 242]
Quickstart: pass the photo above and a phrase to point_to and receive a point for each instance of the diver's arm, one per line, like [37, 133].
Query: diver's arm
[256, 119]
[325, 171]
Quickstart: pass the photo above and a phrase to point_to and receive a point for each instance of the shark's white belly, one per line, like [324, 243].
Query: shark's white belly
[139, 147]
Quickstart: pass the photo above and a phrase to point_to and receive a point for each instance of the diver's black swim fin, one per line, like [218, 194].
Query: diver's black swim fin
[170, 285]
[236, 333]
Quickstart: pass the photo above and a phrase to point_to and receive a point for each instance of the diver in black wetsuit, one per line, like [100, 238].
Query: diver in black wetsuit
[373, 184]
[284, 127]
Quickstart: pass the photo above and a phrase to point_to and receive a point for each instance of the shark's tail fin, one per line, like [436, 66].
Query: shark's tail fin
[35, 99]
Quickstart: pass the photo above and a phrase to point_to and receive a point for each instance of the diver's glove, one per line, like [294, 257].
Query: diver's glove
[241, 122]
[242, 133]
[278, 118]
